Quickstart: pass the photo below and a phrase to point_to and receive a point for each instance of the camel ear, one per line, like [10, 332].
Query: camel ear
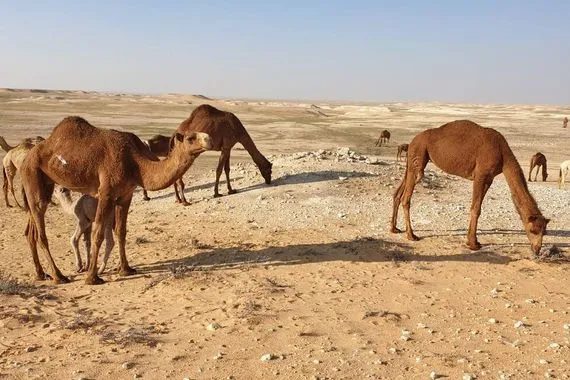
[179, 137]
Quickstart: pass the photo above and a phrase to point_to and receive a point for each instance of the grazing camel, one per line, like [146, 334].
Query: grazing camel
[564, 169]
[159, 145]
[109, 166]
[84, 210]
[466, 149]
[403, 148]
[383, 138]
[225, 130]
[538, 161]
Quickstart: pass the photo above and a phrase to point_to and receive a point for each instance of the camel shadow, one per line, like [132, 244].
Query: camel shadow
[318, 176]
[188, 189]
[361, 250]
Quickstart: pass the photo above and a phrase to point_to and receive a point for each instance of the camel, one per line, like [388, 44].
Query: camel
[565, 122]
[11, 164]
[84, 210]
[109, 166]
[564, 170]
[468, 150]
[159, 145]
[7, 147]
[538, 161]
[403, 148]
[225, 130]
[383, 138]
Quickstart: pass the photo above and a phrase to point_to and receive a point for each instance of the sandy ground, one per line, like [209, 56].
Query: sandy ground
[300, 279]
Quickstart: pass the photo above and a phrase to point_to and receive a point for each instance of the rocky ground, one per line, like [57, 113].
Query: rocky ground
[299, 280]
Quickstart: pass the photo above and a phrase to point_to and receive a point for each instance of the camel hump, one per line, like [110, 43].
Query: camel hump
[73, 126]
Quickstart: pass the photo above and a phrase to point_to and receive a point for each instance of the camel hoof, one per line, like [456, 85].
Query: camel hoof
[474, 247]
[217, 195]
[42, 276]
[186, 203]
[61, 279]
[94, 280]
[413, 237]
[232, 191]
[128, 271]
[81, 269]
[395, 230]
[146, 199]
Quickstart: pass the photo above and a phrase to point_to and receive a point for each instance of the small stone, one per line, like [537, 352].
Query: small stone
[212, 326]
[434, 375]
[508, 305]
[468, 376]
[566, 326]
[421, 326]
[554, 346]
[542, 361]
[530, 300]
[519, 324]
[267, 357]
[317, 361]
[136, 376]
[492, 320]
[218, 356]
[31, 348]
[127, 365]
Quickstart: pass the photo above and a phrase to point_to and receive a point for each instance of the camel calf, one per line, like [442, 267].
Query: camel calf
[564, 170]
[538, 161]
[84, 209]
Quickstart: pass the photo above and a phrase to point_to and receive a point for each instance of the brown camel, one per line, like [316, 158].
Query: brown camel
[383, 138]
[538, 161]
[225, 130]
[403, 148]
[109, 166]
[565, 122]
[159, 145]
[466, 149]
[11, 164]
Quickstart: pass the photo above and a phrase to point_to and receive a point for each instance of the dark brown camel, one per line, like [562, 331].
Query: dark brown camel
[159, 145]
[383, 138]
[538, 161]
[403, 148]
[565, 122]
[109, 166]
[466, 149]
[225, 130]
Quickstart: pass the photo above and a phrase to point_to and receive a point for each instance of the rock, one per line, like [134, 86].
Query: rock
[213, 326]
[468, 376]
[492, 320]
[519, 324]
[434, 375]
[267, 357]
[127, 365]
[554, 346]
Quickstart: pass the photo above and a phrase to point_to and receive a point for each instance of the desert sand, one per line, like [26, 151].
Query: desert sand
[299, 279]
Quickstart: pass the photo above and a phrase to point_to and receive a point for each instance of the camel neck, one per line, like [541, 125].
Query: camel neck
[255, 154]
[523, 200]
[158, 175]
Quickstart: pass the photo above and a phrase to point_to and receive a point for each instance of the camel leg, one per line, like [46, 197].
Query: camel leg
[219, 169]
[536, 175]
[109, 243]
[11, 173]
[145, 195]
[180, 193]
[74, 241]
[227, 172]
[87, 241]
[406, 201]
[31, 235]
[104, 208]
[37, 212]
[5, 187]
[396, 198]
[480, 187]
[121, 214]
[530, 173]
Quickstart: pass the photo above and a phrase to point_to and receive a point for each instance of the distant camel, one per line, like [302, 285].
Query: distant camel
[11, 164]
[403, 148]
[383, 138]
[451, 148]
[565, 122]
[225, 130]
[84, 210]
[109, 165]
[564, 170]
[158, 145]
[7, 147]
[538, 161]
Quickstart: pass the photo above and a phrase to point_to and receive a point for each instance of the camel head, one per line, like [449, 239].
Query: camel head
[535, 229]
[193, 143]
[62, 194]
[266, 172]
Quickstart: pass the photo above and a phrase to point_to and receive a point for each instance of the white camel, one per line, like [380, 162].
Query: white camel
[84, 209]
[564, 169]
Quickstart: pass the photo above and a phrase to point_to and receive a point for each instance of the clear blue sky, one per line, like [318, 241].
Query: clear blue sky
[499, 51]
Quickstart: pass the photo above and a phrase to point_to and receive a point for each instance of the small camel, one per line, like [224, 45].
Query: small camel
[225, 130]
[11, 164]
[159, 145]
[466, 149]
[564, 170]
[109, 166]
[403, 148]
[383, 138]
[538, 161]
[84, 210]
[565, 122]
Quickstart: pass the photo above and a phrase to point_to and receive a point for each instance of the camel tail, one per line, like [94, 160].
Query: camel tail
[5, 147]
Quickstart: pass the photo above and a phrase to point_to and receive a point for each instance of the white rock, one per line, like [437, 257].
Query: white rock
[267, 357]
[519, 324]
[212, 326]
[492, 320]
[468, 376]
[530, 300]
[127, 365]
[554, 346]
